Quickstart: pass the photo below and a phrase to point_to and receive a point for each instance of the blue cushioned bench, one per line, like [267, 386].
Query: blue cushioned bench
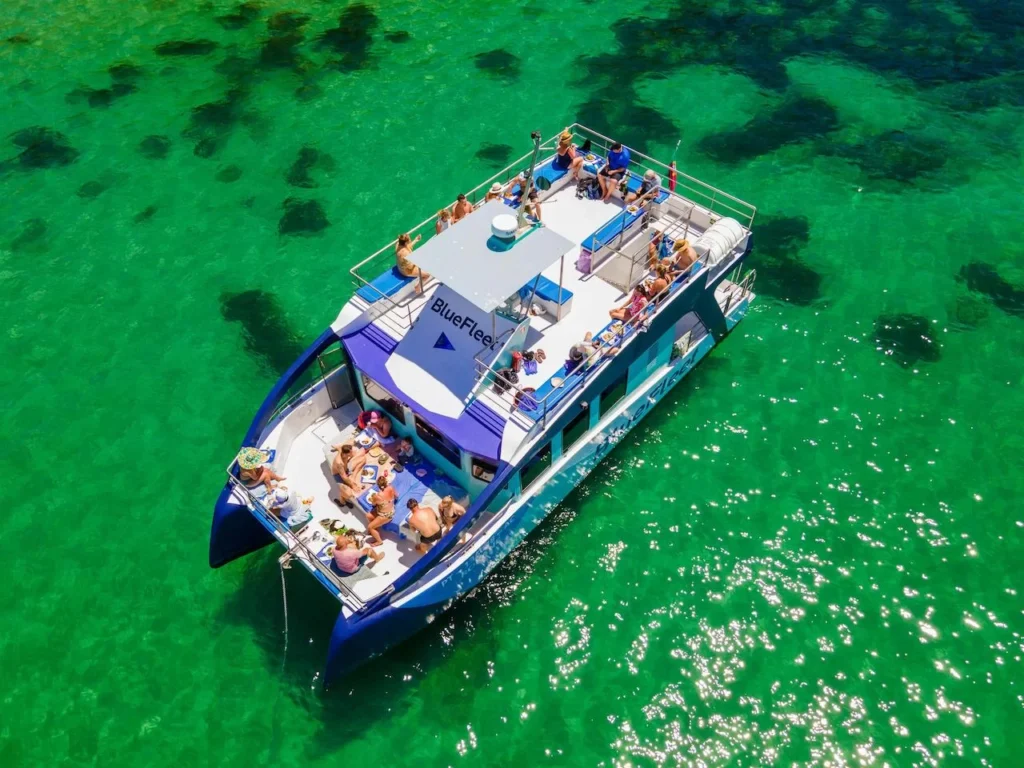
[547, 295]
[389, 283]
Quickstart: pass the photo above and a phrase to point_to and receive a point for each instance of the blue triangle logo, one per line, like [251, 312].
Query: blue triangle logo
[443, 343]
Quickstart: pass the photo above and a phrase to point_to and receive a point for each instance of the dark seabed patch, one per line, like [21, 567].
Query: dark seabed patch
[287, 21]
[781, 273]
[19, 39]
[266, 334]
[43, 147]
[210, 124]
[145, 214]
[155, 147]
[280, 50]
[499, 63]
[124, 72]
[186, 48]
[795, 120]
[308, 92]
[91, 190]
[243, 15]
[896, 156]
[352, 39]
[496, 155]
[906, 338]
[620, 113]
[985, 279]
[967, 312]
[229, 174]
[302, 217]
[310, 159]
[32, 233]
[397, 36]
[101, 98]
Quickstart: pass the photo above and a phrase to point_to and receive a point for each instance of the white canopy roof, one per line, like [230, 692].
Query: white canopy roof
[482, 268]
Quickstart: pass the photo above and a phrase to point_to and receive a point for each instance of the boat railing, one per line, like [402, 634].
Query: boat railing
[295, 545]
[715, 200]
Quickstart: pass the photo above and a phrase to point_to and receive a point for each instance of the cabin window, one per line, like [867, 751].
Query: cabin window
[383, 398]
[612, 395]
[438, 442]
[536, 465]
[575, 429]
[483, 470]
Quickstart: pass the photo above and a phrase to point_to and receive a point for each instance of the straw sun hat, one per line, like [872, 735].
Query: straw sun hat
[251, 458]
[495, 188]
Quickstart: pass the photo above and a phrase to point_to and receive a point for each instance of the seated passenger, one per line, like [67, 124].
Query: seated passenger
[650, 188]
[613, 171]
[383, 509]
[632, 308]
[565, 155]
[657, 249]
[494, 193]
[462, 208]
[533, 205]
[423, 520]
[348, 558]
[381, 426]
[444, 220]
[514, 189]
[403, 250]
[253, 469]
[684, 256]
[405, 450]
[347, 468]
[659, 283]
[450, 511]
[365, 418]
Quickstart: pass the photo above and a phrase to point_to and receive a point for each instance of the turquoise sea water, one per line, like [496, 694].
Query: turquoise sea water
[810, 553]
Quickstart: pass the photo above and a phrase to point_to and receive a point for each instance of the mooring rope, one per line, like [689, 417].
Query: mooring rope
[284, 600]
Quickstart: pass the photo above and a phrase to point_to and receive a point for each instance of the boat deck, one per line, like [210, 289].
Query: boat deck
[307, 473]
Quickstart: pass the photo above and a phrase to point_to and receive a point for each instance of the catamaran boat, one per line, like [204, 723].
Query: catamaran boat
[501, 366]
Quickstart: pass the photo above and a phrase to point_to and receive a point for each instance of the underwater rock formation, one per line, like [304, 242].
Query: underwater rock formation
[186, 48]
[497, 155]
[906, 338]
[266, 334]
[309, 159]
[499, 63]
[302, 217]
[155, 147]
[43, 147]
[984, 279]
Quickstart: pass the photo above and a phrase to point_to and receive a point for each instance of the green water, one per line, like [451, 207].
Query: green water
[810, 552]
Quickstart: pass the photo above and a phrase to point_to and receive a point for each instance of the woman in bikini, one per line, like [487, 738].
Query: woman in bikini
[383, 510]
[450, 511]
[346, 466]
[253, 470]
[403, 250]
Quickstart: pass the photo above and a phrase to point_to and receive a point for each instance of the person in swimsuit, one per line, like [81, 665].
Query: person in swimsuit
[347, 466]
[383, 510]
[657, 249]
[423, 520]
[462, 209]
[450, 511]
[253, 470]
[403, 250]
[494, 193]
[533, 205]
[659, 284]
[684, 256]
[381, 425]
[444, 220]
[565, 155]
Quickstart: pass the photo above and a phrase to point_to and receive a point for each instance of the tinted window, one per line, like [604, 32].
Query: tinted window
[438, 442]
[540, 462]
[612, 395]
[483, 470]
[385, 399]
[575, 429]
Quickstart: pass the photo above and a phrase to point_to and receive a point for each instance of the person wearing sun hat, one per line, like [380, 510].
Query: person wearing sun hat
[253, 469]
[565, 155]
[494, 193]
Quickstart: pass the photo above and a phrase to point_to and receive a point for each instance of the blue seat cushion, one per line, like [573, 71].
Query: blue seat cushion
[389, 283]
[546, 290]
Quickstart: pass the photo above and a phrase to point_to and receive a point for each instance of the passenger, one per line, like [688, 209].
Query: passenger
[632, 308]
[383, 509]
[402, 252]
[684, 255]
[365, 418]
[347, 468]
[348, 558]
[253, 469]
[494, 193]
[656, 249]
[381, 425]
[565, 155]
[659, 283]
[650, 188]
[450, 511]
[405, 451]
[423, 520]
[614, 170]
[533, 205]
[444, 220]
[514, 190]
[462, 209]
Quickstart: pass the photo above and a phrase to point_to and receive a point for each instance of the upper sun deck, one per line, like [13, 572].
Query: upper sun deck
[440, 344]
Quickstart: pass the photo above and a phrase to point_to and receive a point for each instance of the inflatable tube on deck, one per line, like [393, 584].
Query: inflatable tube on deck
[719, 240]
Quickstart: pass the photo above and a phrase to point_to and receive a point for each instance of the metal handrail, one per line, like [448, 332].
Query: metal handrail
[751, 210]
[260, 509]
